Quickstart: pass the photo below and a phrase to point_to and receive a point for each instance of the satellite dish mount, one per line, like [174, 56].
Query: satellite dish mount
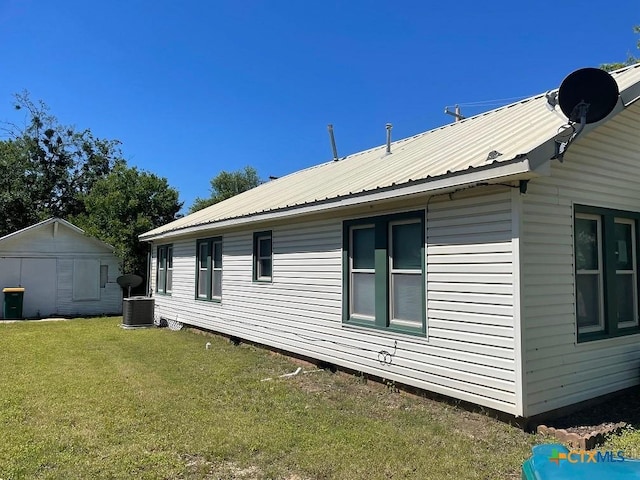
[586, 96]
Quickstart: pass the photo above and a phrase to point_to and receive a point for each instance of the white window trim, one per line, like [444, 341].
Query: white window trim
[169, 270]
[260, 256]
[353, 270]
[600, 272]
[215, 269]
[392, 271]
[202, 272]
[633, 272]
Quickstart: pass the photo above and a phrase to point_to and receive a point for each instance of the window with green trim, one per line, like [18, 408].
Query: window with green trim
[262, 257]
[606, 272]
[164, 269]
[383, 268]
[209, 269]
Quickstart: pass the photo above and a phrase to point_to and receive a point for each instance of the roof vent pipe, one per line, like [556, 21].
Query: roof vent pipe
[389, 127]
[333, 142]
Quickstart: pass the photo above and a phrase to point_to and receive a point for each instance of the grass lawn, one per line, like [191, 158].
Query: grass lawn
[86, 399]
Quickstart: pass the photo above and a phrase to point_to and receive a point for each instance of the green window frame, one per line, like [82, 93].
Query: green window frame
[605, 272]
[209, 269]
[384, 272]
[263, 256]
[164, 269]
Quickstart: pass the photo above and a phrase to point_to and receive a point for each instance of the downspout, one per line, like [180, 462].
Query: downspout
[149, 270]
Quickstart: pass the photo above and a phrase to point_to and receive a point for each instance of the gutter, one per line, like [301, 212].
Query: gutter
[518, 168]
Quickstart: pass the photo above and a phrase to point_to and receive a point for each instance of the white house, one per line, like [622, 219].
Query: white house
[467, 261]
[63, 271]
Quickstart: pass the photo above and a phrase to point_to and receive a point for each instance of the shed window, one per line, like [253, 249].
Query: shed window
[262, 257]
[164, 270]
[606, 272]
[104, 275]
[384, 272]
[209, 274]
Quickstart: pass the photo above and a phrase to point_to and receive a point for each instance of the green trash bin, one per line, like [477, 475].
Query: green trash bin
[13, 298]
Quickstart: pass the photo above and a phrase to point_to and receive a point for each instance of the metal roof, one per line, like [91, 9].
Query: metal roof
[486, 141]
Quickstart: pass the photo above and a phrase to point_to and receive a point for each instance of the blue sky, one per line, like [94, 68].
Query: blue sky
[195, 87]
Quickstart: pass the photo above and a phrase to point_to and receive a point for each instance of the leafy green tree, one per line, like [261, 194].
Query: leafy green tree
[47, 167]
[631, 59]
[124, 204]
[16, 194]
[226, 185]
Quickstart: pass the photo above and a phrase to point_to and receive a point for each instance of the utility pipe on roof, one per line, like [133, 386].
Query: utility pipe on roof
[389, 127]
[333, 142]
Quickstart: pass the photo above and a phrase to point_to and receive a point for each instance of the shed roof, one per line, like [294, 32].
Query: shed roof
[60, 221]
[499, 144]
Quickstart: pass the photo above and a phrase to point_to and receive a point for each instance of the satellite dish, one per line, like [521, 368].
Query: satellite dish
[588, 95]
[129, 281]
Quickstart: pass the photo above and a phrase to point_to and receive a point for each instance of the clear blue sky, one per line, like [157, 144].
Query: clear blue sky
[195, 87]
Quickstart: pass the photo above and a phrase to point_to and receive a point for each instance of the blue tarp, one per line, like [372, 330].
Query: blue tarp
[556, 462]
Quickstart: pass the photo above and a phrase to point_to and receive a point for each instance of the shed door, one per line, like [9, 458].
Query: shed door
[39, 279]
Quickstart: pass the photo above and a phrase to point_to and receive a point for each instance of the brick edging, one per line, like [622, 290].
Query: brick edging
[587, 441]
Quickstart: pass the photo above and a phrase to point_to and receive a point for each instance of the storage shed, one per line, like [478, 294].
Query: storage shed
[471, 260]
[63, 271]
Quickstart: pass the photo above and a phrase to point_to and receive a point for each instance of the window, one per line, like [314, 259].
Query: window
[606, 272]
[209, 274]
[104, 275]
[262, 257]
[164, 273]
[384, 272]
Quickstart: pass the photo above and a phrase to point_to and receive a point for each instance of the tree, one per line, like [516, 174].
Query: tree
[124, 204]
[16, 194]
[47, 167]
[631, 59]
[226, 185]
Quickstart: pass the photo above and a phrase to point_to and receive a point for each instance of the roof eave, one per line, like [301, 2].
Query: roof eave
[518, 168]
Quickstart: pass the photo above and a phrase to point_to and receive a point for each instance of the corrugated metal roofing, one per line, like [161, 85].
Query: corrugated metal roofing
[513, 131]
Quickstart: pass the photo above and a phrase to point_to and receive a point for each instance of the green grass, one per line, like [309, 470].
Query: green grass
[628, 441]
[86, 399]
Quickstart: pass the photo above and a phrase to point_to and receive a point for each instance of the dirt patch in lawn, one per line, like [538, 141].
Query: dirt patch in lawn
[198, 466]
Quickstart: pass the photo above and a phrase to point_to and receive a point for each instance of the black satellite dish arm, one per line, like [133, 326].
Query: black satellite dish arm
[580, 111]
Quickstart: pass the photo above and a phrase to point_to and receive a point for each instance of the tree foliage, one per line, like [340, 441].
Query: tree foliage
[631, 59]
[50, 170]
[226, 185]
[46, 167]
[124, 204]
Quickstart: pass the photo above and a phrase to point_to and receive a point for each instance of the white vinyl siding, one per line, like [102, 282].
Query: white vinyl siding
[600, 169]
[86, 279]
[470, 351]
[62, 271]
[109, 301]
[470, 288]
